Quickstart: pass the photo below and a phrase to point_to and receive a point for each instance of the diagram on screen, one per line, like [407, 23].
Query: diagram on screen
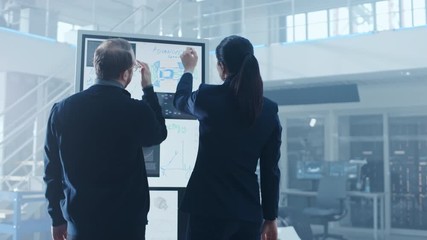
[166, 77]
[166, 66]
[89, 77]
[177, 162]
[178, 156]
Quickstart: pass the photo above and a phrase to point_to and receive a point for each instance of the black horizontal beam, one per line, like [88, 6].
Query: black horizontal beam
[314, 94]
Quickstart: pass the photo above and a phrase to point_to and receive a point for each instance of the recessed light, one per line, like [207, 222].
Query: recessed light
[312, 122]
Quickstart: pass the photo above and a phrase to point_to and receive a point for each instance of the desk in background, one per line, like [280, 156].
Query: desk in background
[23, 213]
[287, 233]
[376, 198]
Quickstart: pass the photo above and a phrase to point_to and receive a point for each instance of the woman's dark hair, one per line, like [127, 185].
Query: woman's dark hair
[236, 54]
[112, 58]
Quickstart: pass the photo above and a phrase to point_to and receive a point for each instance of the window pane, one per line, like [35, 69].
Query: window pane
[387, 15]
[419, 17]
[419, 4]
[290, 21]
[362, 18]
[407, 13]
[300, 27]
[419, 7]
[339, 23]
[289, 28]
[317, 25]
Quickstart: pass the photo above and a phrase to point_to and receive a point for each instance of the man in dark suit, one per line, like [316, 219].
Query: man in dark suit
[95, 174]
[238, 127]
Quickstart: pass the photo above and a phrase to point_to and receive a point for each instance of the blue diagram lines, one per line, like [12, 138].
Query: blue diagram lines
[178, 153]
[177, 162]
[179, 156]
[165, 75]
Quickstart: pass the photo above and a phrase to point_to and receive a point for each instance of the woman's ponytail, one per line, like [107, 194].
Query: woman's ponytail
[248, 88]
[236, 54]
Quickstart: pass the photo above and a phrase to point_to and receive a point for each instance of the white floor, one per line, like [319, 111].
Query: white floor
[369, 236]
[365, 234]
[391, 237]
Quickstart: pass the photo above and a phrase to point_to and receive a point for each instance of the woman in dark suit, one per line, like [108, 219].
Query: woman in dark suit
[238, 127]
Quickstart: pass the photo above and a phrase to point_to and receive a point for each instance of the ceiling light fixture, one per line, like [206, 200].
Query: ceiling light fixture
[312, 122]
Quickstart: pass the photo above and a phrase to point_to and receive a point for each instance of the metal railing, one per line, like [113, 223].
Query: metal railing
[20, 165]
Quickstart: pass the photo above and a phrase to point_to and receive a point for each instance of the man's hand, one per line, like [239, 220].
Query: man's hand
[145, 74]
[269, 230]
[189, 59]
[59, 232]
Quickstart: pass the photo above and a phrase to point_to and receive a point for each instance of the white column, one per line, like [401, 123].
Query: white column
[387, 182]
[94, 21]
[243, 28]
[331, 137]
[140, 17]
[180, 19]
[2, 107]
[283, 163]
[47, 18]
[199, 20]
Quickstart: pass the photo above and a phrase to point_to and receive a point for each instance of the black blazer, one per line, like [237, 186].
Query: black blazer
[94, 165]
[224, 182]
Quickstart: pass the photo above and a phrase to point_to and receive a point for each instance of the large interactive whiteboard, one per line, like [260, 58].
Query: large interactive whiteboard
[163, 215]
[171, 163]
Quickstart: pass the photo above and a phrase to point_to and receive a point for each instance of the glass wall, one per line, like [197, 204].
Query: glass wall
[361, 138]
[305, 145]
[376, 143]
[360, 142]
[305, 140]
[408, 171]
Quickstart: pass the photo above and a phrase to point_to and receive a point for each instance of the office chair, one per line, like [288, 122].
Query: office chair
[330, 204]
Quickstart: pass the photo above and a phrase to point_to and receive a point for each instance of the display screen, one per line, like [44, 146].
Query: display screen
[163, 216]
[310, 169]
[171, 163]
[342, 168]
[317, 169]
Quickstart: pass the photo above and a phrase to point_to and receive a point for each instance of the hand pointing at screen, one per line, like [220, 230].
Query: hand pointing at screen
[189, 59]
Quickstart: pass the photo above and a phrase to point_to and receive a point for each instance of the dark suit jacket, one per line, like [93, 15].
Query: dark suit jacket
[94, 165]
[224, 182]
